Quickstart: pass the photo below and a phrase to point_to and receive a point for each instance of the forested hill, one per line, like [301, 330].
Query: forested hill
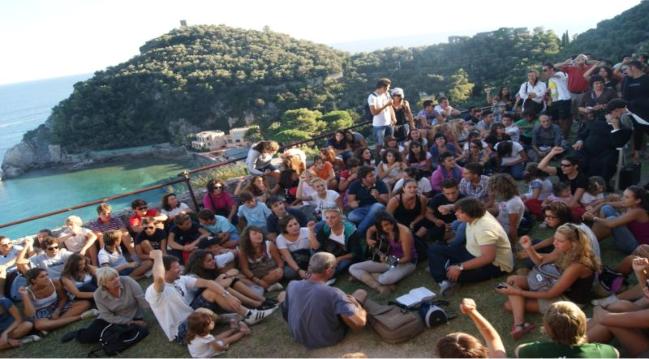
[199, 77]
[622, 35]
[216, 77]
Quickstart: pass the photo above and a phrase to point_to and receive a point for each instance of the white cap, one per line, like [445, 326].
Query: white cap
[397, 91]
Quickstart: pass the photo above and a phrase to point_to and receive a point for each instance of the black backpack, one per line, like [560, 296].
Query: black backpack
[115, 338]
[367, 114]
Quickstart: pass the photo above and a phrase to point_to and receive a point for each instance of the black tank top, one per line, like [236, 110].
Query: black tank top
[400, 115]
[579, 291]
[404, 215]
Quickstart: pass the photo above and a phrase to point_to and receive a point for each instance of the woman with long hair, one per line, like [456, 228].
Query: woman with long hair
[47, 305]
[440, 145]
[202, 264]
[295, 247]
[419, 158]
[394, 256]
[390, 167]
[259, 259]
[171, 206]
[364, 155]
[577, 265]
[78, 277]
[509, 204]
[627, 220]
[219, 200]
[259, 159]
[409, 208]
[403, 114]
[256, 185]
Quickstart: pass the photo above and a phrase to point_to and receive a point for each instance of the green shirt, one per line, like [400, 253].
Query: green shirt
[526, 126]
[558, 350]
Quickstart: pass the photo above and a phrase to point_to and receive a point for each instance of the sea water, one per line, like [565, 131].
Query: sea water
[23, 107]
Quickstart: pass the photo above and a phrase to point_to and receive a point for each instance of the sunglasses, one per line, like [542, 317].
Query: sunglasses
[52, 248]
[149, 227]
[219, 186]
[566, 165]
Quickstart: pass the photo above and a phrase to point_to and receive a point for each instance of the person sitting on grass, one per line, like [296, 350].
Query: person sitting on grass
[330, 312]
[184, 236]
[338, 237]
[149, 239]
[630, 228]
[254, 212]
[259, 259]
[78, 277]
[479, 252]
[566, 326]
[463, 345]
[141, 211]
[367, 196]
[47, 304]
[224, 231]
[111, 256]
[78, 239]
[13, 327]
[509, 205]
[624, 320]
[171, 294]
[279, 210]
[107, 222]
[295, 247]
[393, 254]
[576, 264]
[446, 170]
[202, 344]
[119, 300]
[171, 206]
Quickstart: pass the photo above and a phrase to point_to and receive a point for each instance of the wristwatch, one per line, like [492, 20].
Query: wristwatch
[461, 266]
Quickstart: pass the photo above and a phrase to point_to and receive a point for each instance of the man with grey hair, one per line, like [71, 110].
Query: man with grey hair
[329, 310]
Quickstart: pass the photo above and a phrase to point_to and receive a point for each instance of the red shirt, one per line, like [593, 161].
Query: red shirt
[576, 81]
[135, 220]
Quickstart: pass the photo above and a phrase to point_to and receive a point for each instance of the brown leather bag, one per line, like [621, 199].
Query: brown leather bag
[393, 324]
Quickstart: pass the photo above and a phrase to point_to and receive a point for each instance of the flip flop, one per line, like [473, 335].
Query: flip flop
[524, 329]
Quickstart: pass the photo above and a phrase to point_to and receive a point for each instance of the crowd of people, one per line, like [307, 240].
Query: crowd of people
[436, 188]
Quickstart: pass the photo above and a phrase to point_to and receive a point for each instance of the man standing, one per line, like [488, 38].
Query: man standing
[636, 93]
[383, 118]
[319, 315]
[367, 196]
[560, 98]
[577, 83]
[599, 140]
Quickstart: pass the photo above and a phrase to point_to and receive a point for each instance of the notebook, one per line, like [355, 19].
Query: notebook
[415, 296]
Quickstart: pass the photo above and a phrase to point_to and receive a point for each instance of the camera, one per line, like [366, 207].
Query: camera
[392, 261]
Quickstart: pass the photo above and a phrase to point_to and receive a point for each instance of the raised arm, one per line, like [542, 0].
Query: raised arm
[489, 334]
[158, 270]
[544, 165]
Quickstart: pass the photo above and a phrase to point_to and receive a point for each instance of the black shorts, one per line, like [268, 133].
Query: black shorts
[200, 302]
[560, 110]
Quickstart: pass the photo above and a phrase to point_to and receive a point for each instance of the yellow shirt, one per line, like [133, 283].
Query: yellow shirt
[488, 231]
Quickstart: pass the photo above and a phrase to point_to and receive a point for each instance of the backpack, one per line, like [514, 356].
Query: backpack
[393, 324]
[543, 277]
[115, 338]
[433, 315]
[367, 113]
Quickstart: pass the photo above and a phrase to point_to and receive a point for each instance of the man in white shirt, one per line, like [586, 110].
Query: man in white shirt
[172, 297]
[445, 111]
[532, 93]
[559, 109]
[383, 118]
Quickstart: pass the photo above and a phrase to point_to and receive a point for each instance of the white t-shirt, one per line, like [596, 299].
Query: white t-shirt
[321, 203]
[514, 156]
[423, 186]
[176, 211]
[514, 205]
[302, 241]
[113, 259]
[76, 242]
[378, 101]
[53, 265]
[338, 238]
[13, 253]
[200, 347]
[558, 85]
[588, 198]
[538, 90]
[171, 306]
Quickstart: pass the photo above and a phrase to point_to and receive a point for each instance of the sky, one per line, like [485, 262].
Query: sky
[52, 38]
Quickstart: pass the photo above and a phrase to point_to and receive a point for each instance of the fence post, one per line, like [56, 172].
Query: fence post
[185, 175]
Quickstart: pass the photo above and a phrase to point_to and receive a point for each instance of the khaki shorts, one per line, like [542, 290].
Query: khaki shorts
[544, 304]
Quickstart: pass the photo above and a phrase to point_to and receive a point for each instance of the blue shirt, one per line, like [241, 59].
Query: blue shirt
[364, 194]
[255, 216]
[222, 225]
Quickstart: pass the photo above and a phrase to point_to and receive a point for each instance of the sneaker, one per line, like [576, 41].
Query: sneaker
[255, 316]
[446, 288]
[91, 313]
[68, 336]
[267, 304]
[605, 302]
[275, 287]
[30, 339]
[331, 282]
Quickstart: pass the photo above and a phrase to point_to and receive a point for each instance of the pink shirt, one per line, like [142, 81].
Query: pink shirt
[219, 203]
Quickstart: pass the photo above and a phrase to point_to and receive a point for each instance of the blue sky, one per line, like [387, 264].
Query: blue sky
[44, 39]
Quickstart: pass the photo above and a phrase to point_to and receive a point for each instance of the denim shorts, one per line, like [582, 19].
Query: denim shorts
[182, 333]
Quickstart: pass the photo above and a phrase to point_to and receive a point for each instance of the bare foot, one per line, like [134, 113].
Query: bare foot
[281, 297]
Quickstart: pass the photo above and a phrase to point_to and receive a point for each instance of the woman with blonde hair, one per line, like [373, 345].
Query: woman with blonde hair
[573, 264]
[78, 239]
[566, 325]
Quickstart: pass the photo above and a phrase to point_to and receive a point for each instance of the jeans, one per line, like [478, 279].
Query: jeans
[364, 216]
[380, 132]
[455, 252]
[624, 239]
[516, 170]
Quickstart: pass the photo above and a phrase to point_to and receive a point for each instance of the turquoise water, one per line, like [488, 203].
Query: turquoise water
[24, 107]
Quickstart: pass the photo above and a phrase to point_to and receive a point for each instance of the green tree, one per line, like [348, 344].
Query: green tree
[460, 86]
[338, 120]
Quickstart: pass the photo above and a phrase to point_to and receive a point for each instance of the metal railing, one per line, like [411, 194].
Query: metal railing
[185, 177]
